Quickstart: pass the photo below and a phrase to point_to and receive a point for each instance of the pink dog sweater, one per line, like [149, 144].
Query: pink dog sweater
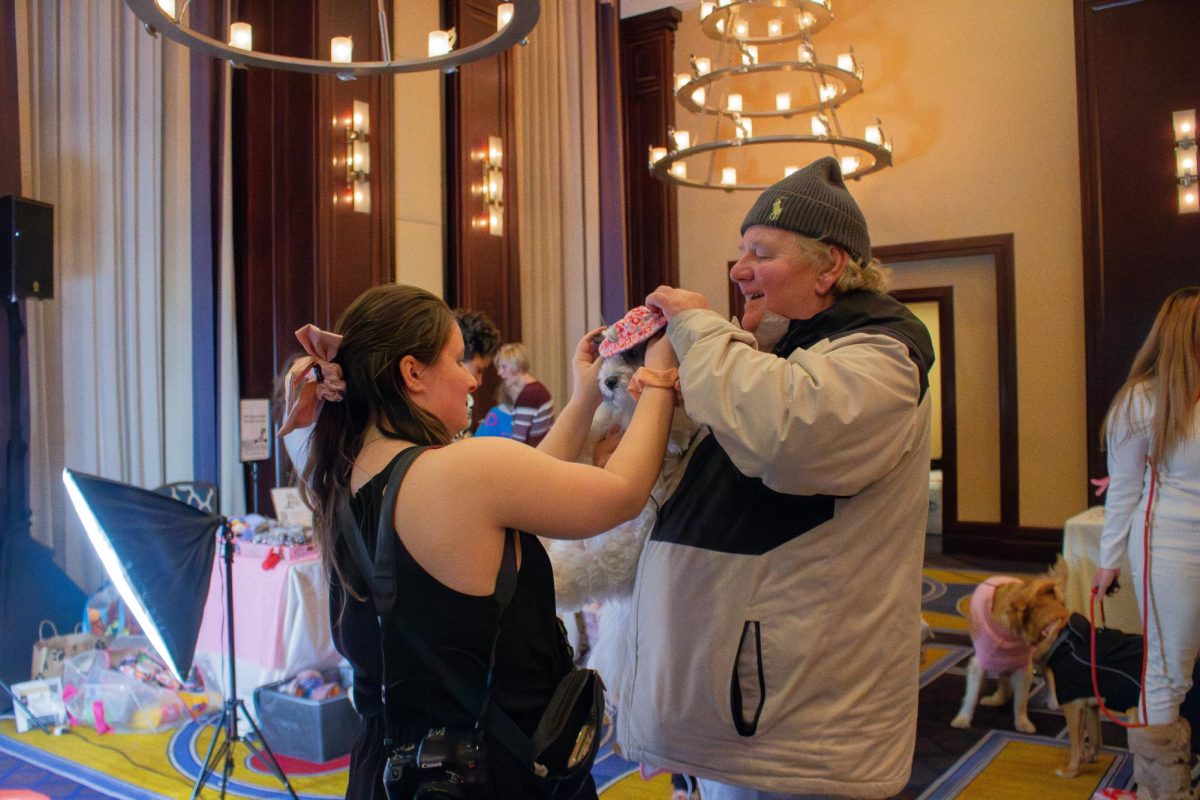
[997, 649]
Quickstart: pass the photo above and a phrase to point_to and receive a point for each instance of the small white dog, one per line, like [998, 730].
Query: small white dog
[602, 569]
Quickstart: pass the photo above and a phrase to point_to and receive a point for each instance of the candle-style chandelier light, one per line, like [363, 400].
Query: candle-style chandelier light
[514, 21]
[773, 79]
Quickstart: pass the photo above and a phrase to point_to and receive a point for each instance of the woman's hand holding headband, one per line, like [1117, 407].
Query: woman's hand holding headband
[312, 380]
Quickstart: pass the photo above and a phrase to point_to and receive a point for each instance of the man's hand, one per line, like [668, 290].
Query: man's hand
[671, 301]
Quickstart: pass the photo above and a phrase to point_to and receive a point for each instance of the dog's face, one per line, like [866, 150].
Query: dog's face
[1033, 609]
[615, 374]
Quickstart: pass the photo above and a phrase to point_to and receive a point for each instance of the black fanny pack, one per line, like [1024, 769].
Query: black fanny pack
[564, 745]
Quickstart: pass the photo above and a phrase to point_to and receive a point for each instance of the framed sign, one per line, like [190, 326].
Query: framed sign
[255, 430]
[290, 508]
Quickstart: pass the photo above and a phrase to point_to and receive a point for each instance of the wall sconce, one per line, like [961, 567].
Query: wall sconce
[492, 188]
[1184, 123]
[356, 158]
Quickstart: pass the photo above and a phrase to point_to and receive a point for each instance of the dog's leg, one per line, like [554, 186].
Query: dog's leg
[1021, 680]
[1091, 727]
[1051, 689]
[1000, 696]
[1074, 712]
[970, 696]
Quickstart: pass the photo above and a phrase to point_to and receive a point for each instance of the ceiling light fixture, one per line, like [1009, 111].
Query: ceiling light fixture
[766, 78]
[514, 21]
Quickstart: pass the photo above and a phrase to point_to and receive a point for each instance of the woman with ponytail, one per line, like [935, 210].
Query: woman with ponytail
[1152, 514]
[391, 378]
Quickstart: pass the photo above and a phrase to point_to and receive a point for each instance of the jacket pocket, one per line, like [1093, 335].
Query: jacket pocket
[747, 686]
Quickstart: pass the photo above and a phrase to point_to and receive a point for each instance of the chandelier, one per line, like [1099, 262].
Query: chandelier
[514, 21]
[783, 85]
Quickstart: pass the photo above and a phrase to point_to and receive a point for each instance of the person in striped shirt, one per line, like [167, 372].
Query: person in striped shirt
[533, 408]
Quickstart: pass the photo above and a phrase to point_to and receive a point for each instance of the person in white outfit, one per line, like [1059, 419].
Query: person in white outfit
[1153, 435]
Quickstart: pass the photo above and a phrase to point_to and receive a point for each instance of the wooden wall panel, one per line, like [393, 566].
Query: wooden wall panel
[483, 270]
[299, 257]
[613, 271]
[647, 49]
[1136, 63]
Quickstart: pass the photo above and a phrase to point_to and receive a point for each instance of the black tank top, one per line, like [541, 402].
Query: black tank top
[531, 656]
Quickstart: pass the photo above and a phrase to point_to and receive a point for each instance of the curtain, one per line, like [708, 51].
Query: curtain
[104, 118]
[558, 165]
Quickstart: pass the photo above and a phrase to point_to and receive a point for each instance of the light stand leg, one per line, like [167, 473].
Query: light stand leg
[227, 724]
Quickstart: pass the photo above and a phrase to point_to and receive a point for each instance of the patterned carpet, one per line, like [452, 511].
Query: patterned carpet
[990, 761]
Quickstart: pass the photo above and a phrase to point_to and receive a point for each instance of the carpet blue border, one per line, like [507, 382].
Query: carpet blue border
[954, 655]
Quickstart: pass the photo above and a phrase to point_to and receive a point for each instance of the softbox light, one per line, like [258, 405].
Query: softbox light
[159, 553]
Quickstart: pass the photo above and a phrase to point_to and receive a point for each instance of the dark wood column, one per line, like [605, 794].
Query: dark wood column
[300, 255]
[483, 270]
[613, 272]
[648, 107]
[1135, 65]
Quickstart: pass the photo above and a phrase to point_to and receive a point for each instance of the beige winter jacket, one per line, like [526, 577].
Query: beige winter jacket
[788, 663]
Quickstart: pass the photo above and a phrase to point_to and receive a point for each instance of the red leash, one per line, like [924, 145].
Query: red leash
[1145, 608]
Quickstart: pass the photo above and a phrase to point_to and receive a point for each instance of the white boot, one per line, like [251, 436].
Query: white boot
[1161, 761]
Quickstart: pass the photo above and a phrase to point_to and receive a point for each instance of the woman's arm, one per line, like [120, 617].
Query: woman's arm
[526, 489]
[1128, 445]
[569, 433]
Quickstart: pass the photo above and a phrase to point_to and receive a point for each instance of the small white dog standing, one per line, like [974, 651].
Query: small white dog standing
[602, 569]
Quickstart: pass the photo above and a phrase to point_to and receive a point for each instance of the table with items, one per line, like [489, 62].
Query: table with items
[281, 613]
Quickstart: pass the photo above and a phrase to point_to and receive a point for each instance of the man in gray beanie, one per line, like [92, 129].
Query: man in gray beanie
[775, 627]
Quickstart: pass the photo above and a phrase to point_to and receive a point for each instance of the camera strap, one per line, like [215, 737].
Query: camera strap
[381, 578]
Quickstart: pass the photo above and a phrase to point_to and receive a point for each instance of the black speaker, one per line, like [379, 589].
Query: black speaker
[26, 248]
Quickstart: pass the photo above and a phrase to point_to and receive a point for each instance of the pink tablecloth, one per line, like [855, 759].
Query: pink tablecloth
[281, 618]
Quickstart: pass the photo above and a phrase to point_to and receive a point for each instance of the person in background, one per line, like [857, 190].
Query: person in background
[1152, 514]
[387, 391]
[775, 633]
[481, 339]
[532, 406]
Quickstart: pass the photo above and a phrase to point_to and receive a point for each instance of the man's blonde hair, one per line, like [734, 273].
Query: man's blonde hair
[872, 276]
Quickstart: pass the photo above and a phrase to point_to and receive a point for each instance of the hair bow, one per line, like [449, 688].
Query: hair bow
[312, 380]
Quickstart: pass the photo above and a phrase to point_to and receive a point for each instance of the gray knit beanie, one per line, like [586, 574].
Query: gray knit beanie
[814, 202]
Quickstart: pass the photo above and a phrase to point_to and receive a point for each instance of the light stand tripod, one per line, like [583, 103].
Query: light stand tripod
[227, 722]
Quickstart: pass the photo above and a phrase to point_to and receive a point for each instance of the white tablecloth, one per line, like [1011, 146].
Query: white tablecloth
[1081, 550]
[281, 618]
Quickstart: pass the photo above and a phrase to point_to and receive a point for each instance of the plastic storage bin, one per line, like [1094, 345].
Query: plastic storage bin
[310, 730]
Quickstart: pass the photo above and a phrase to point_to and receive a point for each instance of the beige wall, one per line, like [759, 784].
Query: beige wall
[979, 99]
[418, 149]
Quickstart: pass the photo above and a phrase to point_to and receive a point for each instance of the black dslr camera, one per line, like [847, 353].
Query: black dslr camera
[440, 766]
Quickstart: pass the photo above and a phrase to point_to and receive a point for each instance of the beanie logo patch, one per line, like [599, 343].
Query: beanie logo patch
[776, 209]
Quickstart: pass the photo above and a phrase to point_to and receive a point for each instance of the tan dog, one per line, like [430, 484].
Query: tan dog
[1012, 620]
[1034, 615]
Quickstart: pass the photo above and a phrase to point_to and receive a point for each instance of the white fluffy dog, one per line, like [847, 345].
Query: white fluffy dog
[602, 569]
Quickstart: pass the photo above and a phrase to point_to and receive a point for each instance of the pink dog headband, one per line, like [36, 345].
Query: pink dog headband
[312, 380]
[637, 326]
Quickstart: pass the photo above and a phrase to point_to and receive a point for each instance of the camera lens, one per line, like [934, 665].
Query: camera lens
[439, 790]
